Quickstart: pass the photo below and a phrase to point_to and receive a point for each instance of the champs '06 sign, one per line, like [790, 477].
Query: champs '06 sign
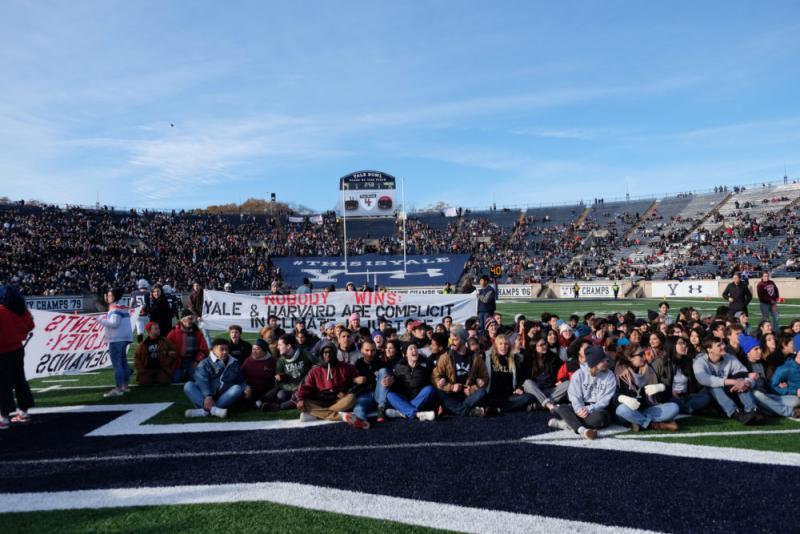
[221, 309]
[66, 343]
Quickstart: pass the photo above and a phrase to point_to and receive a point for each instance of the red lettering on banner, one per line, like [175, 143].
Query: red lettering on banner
[370, 298]
[313, 299]
[54, 322]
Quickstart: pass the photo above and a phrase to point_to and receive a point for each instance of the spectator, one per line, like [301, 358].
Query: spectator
[768, 296]
[411, 390]
[487, 298]
[238, 347]
[324, 393]
[159, 310]
[640, 392]
[259, 373]
[738, 295]
[190, 346]
[117, 322]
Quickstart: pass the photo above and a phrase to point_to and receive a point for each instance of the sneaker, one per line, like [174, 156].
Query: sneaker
[796, 414]
[222, 413]
[746, 418]
[351, 419]
[306, 417]
[195, 412]
[589, 433]
[21, 417]
[557, 424]
[259, 404]
[126, 389]
[477, 411]
[637, 428]
[391, 413]
[426, 416]
[4, 424]
[113, 393]
[381, 414]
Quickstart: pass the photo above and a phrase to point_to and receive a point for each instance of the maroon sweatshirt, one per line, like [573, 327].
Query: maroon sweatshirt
[259, 375]
[767, 292]
[325, 383]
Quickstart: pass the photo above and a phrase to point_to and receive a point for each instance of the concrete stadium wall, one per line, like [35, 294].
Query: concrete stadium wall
[789, 288]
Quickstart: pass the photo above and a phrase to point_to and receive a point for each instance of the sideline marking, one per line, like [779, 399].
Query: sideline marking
[704, 434]
[566, 438]
[352, 503]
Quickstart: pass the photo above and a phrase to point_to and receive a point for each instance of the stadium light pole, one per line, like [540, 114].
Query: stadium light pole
[404, 215]
[344, 223]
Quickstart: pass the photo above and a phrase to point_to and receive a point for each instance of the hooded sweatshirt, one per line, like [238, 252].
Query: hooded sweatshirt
[591, 392]
[325, 381]
[713, 375]
[293, 370]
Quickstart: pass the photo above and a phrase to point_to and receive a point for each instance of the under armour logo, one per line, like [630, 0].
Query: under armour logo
[693, 289]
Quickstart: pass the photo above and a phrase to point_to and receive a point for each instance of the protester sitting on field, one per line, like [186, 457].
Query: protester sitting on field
[267, 333]
[190, 346]
[369, 393]
[291, 368]
[786, 380]
[541, 374]
[217, 384]
[325, 391]
[592, 389]
[674, 370]
[766, 399]
[411, 394]
[259, 372]
[504, 392]
[724, 376]
[461, 377]
[117, 322]
[154, 358]
[16, 322]
[640, 394]
[237, 347]
[347, 351]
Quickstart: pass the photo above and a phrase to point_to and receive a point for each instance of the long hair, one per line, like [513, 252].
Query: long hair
[495, 356]
[624, 369]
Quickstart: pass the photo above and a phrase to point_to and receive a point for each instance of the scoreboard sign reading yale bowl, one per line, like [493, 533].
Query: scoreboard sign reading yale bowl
[368, 194]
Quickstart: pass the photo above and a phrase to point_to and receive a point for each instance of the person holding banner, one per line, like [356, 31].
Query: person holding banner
[16, 322]
[154, 358]
[117, 322]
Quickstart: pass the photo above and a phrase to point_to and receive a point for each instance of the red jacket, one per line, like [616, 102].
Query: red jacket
[176, 338]
[14, 329]
[319, 385]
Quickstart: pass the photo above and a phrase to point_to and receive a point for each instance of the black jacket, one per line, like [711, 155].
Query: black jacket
[741, 296]
[409, 381]
[368, 370]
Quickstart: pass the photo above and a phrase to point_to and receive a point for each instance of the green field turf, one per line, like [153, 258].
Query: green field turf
[759, 442]
[241, 517]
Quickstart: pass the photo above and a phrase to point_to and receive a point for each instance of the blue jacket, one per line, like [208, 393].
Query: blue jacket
[788, 372]
[214, 378]
[487, 298]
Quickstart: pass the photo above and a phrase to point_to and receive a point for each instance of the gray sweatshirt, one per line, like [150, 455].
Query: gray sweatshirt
[591, 392]
[713, 375]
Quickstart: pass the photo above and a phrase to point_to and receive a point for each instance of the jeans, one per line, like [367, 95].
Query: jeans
[409, 408]
[552, 395]
[223, 400]
[511, 403]
[768, 314]
[118, 352]
[776, 404]
[693, 402]
[458, 403]
[184, 372]
[381, 391]
[658, 413]
[12, 380]
[728, 405]
[596, 419]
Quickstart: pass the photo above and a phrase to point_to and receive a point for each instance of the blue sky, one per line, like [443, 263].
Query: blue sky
[471, 102]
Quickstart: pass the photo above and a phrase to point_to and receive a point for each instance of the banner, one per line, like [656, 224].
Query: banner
[588, 290]
[326, 270]
[512, 291]
[296, 219]
[221, 309]
[64, 303]
[66, 343]
[368, 194]
[688, 288]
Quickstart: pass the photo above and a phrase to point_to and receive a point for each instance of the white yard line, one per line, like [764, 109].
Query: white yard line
[351, 503]
[61, 380]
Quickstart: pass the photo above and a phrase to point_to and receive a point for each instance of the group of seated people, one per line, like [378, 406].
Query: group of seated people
[641, 373]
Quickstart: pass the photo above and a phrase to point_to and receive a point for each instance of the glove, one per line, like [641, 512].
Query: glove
[652, 389]
[630, 402]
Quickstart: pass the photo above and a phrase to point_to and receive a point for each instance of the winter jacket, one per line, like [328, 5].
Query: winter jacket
[741, 296]
[325, 381]
[409, 381]
[789, 372]
[713, 375]
[161, 313]
[591, 392]
[117, 322]
[14, 329]
[445, 368]
[214, 378]
[165, 351]
[666, 368]
[516, 375]
[196, 302]
[367, 370]
[176, 338]
[487, 298]
[548, 372]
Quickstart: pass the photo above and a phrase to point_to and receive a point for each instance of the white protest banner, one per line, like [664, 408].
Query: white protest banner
[221, 309]
[587, 290]
[66, 343]
[688, 288]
